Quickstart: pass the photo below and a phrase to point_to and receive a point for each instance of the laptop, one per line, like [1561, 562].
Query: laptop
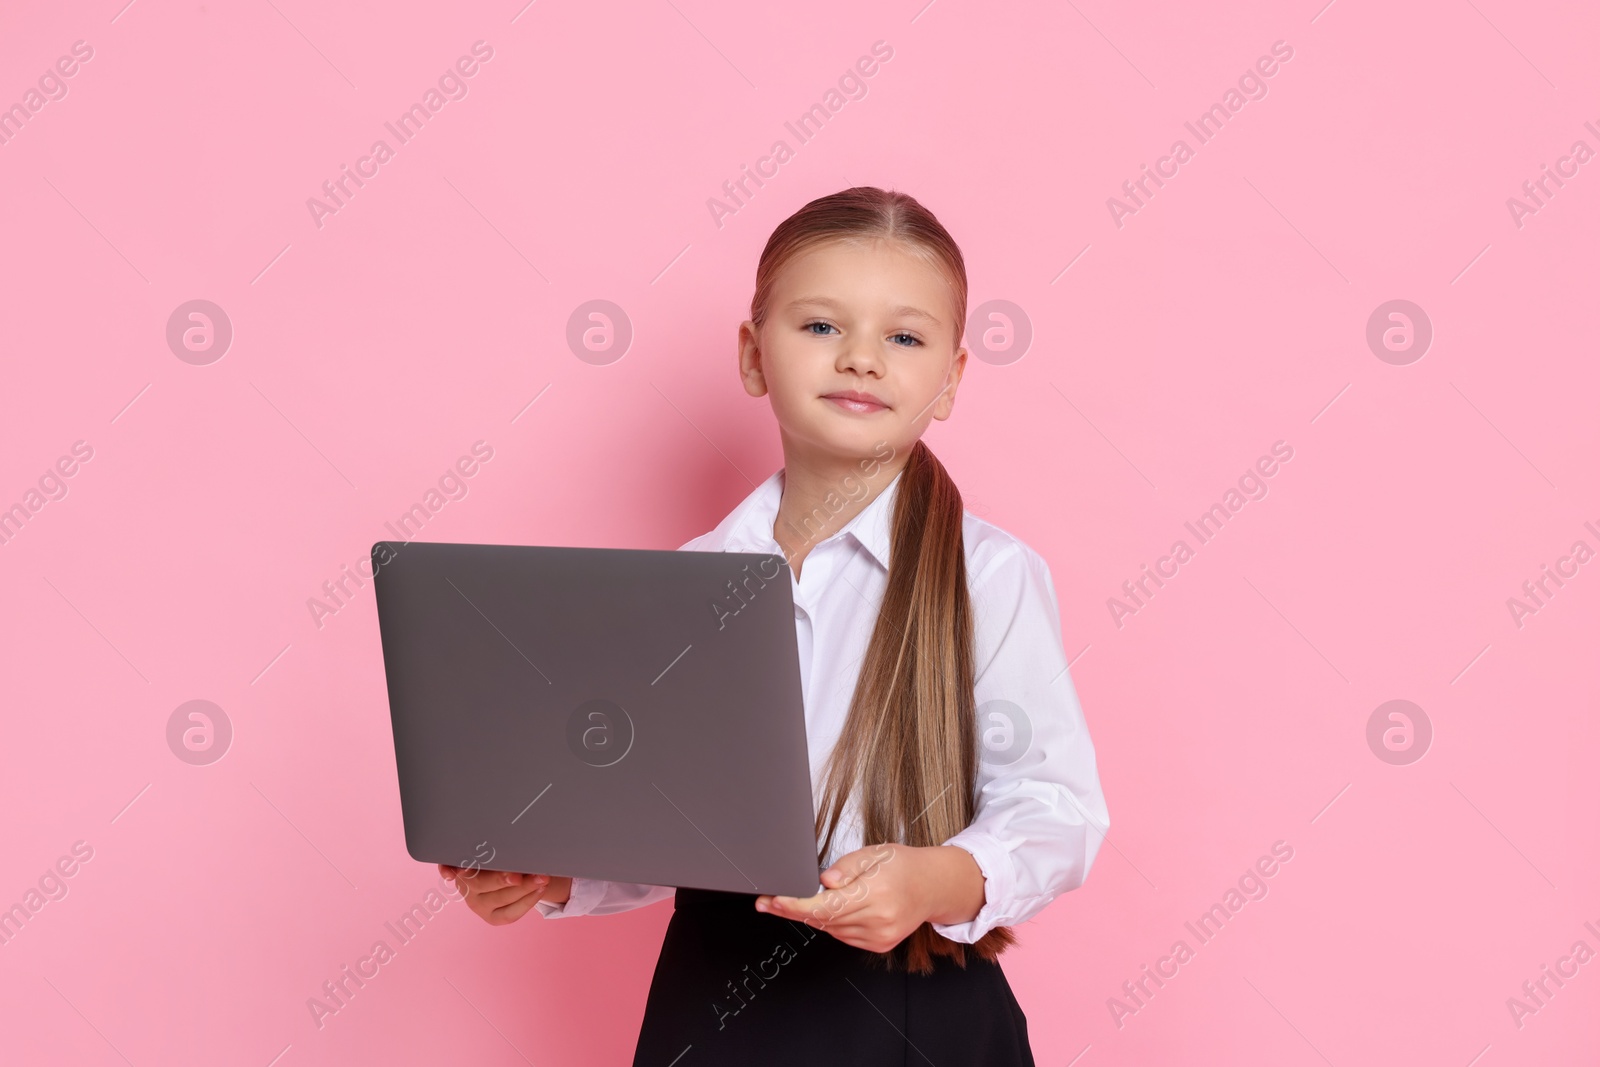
[632, 715]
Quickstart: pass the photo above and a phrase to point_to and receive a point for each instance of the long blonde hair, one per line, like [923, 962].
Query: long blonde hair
[910, 739]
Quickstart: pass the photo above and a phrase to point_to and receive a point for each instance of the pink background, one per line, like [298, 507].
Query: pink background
[1229, 313]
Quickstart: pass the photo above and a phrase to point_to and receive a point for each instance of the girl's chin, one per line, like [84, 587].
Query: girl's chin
[866, 450]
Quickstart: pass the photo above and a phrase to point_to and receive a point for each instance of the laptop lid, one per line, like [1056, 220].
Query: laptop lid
[632, 715]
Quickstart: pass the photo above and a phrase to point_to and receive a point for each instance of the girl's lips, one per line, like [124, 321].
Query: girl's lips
[859, 407]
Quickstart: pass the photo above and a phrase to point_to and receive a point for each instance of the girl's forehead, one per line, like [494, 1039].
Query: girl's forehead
[858, 271]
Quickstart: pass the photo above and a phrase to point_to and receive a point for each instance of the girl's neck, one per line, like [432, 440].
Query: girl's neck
[810, 493]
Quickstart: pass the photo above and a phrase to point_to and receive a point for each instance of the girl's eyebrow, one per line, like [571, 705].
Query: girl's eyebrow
[822, 301]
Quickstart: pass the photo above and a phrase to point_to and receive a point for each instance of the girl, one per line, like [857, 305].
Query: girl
[958, 792]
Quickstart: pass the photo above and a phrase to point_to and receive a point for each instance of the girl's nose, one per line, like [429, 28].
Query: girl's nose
[860, 356]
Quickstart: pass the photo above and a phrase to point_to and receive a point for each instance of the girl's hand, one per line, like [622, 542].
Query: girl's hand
[501, 897]
[875, 897]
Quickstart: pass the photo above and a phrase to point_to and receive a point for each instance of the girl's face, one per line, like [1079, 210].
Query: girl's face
[862, 317]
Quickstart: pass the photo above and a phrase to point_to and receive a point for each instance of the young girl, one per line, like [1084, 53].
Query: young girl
[956, 781]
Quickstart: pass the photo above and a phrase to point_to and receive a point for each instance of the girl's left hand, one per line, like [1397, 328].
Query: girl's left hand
[875, 897]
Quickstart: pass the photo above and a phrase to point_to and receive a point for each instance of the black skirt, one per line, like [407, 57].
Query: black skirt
[735, 986]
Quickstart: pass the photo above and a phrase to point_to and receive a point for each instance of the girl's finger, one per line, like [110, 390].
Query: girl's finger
[838, 905]
[856, 936]
[498, 898]
[834, 878]
[480, 879]
[517, 909]
[808, 907]
[788, 907]
[822, 899]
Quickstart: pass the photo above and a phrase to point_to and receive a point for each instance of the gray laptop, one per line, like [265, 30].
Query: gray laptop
[625, 714]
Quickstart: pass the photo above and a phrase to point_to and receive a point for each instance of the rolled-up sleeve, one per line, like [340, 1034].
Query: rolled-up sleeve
[591, 896]
[1041, 815]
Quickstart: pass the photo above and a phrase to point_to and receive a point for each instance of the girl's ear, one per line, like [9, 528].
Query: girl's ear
[947, 398]
[750, 369]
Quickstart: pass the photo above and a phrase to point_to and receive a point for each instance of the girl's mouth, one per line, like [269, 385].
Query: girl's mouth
[857, 403]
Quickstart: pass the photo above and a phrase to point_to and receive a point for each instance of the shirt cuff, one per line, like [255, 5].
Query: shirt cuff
[999, 881]
[586, 893]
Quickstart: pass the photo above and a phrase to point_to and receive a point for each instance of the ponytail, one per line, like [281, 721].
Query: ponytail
[910, 740]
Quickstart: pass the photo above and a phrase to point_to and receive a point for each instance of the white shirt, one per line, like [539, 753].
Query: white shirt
[1040, 812]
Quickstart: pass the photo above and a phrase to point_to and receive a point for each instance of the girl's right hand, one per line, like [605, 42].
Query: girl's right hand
[501, 897]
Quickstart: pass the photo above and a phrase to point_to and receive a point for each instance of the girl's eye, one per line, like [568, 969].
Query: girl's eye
[911, 338]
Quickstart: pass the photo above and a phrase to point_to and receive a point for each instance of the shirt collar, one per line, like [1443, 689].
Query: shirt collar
[748, 528]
